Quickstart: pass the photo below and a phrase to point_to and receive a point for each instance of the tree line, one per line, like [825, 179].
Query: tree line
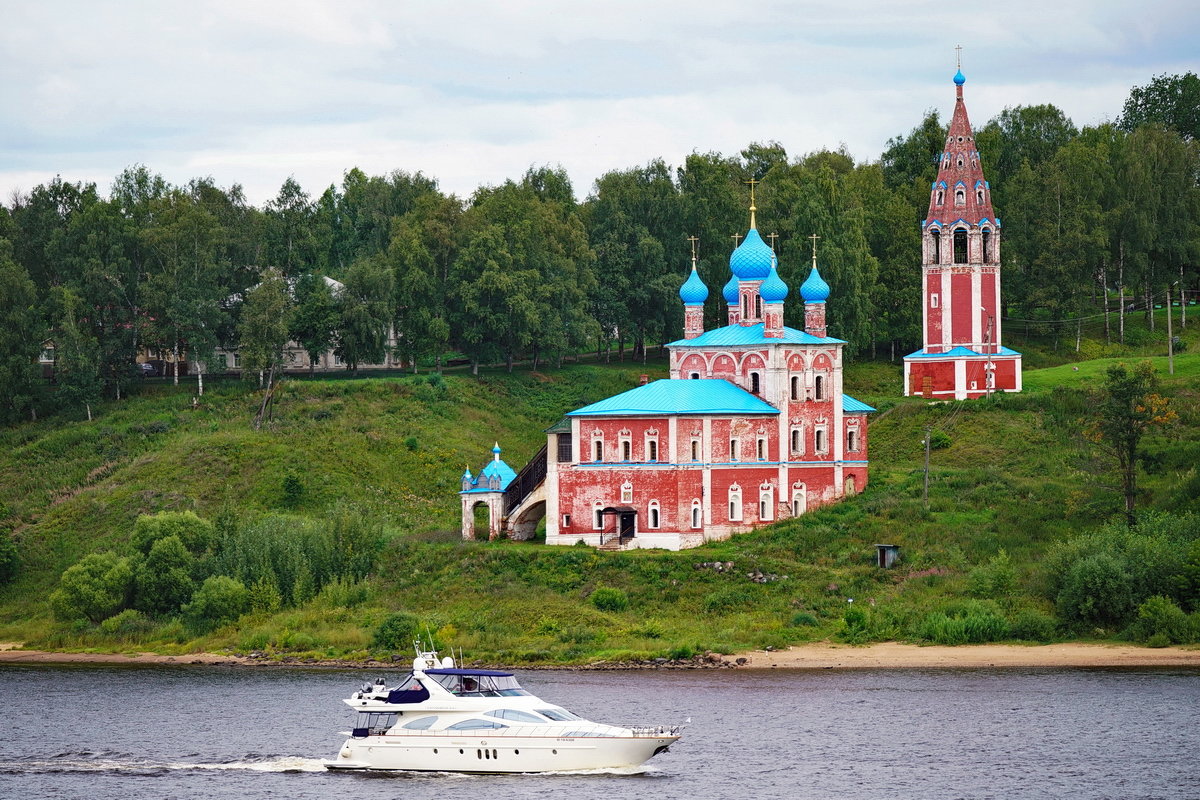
[1094, 218]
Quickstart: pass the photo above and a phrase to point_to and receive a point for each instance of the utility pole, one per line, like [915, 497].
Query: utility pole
[925, 496]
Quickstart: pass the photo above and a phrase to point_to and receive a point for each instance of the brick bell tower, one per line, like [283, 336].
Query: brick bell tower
[960, 318]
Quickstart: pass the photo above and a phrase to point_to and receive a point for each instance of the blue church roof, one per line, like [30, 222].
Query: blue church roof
[751, 261]
[962, 352]
[852, 406]
[750, 334]
[815, 289]
[693, 292]
[730, 292]
[773, 289]
[495, 469]
[679, 396]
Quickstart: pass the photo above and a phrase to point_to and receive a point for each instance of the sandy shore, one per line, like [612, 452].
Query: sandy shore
[886, 655]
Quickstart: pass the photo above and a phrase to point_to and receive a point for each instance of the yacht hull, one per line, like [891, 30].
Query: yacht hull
[496, 754]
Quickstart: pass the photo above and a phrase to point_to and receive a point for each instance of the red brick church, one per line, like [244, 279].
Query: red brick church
[960, 319]
[751, 427]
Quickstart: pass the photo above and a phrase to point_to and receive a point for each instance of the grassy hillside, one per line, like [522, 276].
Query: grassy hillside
[1015, 476]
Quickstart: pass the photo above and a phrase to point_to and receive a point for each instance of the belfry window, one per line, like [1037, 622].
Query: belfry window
[941, 197]
[757, 306]
[936, 242]
[979, 196]
[960, 247]
[960, 194]
[795, 383]
[819, 387]
[695, 376]
[987, 247]
[754, 387]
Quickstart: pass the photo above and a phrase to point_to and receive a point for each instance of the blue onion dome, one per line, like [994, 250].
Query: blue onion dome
[959, 78]
[693, 292]
[730, 292]
[466, 476]
[751, 261]
[815, 289]
[773, 289]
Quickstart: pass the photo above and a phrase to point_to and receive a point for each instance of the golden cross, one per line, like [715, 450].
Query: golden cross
[737, 237]
[772, 237]
[958, 55]
[814, 238]
[693, 240]
[753, 182]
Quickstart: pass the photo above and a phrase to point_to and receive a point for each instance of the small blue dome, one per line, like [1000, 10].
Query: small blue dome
[751, 261]
[693, 292]
[496, 448]
[815, 289]
[959, 78]
[730, 292]
[773, 289]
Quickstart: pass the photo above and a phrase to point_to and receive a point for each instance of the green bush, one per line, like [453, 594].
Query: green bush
[397, 632]
[854, 626]
[995, 580]
[939, 440]
[1158, 618]
[293, 490]
[1032, 626]
[129, 622]
[606, 598]
[219, 599]
[94, 589]
[163, 580]
[197, 535]
[1096, 591]
[804, 619]
[975, 623]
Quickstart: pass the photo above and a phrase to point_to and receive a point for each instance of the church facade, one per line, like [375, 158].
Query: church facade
[962, 356]
[752, 426]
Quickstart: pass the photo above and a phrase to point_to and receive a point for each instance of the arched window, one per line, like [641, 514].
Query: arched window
[852, 440]
[695, 376]
[799, 501]
[960, 246]
[735, 503]
[754, 387]
[746, 306]
[795, 383]
[626, 450]
[696, 518]
[597, 517]
[936, 247]
[941, 196]
[695, 449]
[651, 447]
[979, 196]
[766, 508]
[851, 485]
[987, 246]
[819, 440]
[761, 447]
[757, 306]
[819, 387]
[797, 440]
[653, 514]
[733, 449]
[597, 450]
[960, 194]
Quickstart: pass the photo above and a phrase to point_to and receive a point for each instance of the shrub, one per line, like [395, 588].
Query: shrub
[968, 623]
[1032, 626]
[1160, 619]
[293, 490]
[126, 623]
[94, 589]
[163, 581]
[938, 439]
[804, 619]
[264, 595]
[397, 632]
[197, 535]
[1096, 591]
[219, 599]
[995, 580]
[854, 626]
[607, 598]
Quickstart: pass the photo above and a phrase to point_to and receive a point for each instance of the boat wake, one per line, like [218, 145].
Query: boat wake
[82, 762]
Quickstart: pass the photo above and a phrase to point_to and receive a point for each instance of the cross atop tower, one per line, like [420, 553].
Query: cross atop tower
[958, 56]
[814, 238]
[693, 240]
[772, 237]
[753, 182]
[737, 237]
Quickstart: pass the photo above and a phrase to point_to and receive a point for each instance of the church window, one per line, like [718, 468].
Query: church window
[733, 449]
[987, 247]
[757, 306]
[597, 517]
[626, 492]
[936, 240]
[745, 306]
[695, 513]
[979, 196]
[694, 376]
[960, 161]
[652, 446]
[941, 197]
[735, 503]
[852, 440]
[626, 450]
[695, 449]
[565, 449]
[819, 386]
[597, 450]
[762, 448]
[960, 246]
[960, 194]
[754, 387]
[765, 506]
[797, 440]
[795, 383]
[799, 501]
[653, 514]
[819, 440]
[933, 300]
[566, 520]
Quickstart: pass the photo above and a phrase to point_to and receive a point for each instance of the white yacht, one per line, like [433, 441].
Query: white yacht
[447, 719]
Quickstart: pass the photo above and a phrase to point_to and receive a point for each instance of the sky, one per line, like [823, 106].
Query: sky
[472, 93]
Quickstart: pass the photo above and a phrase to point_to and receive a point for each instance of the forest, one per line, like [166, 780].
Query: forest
[1097, 221]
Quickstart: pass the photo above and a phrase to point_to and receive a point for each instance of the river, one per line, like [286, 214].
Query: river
[210, 733]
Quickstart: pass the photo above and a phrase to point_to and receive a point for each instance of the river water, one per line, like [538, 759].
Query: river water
[209, 733]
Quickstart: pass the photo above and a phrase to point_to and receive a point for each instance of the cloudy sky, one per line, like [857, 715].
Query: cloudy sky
[472, 92]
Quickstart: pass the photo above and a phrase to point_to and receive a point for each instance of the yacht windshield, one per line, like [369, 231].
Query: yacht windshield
[478, 684]
[558, 714]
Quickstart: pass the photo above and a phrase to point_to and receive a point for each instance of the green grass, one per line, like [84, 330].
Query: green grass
[1016, 476]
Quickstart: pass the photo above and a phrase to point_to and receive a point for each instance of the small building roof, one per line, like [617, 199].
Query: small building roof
[732, 335]
[962, 352]
[679, 396]
[853, 406]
